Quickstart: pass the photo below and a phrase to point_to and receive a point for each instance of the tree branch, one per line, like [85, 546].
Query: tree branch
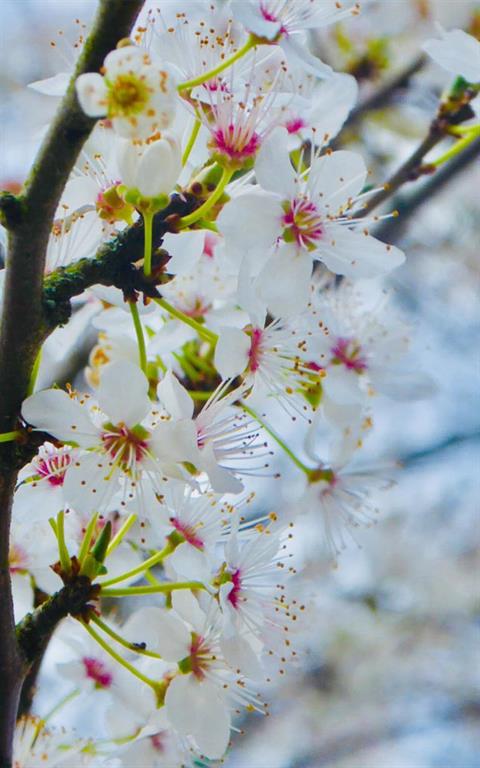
[29, 219]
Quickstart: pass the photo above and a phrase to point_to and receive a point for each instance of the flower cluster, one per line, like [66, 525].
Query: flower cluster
[267, 301]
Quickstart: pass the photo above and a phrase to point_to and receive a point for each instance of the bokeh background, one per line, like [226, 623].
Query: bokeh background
[388, 666]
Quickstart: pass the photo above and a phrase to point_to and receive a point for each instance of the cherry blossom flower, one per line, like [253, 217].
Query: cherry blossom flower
[119, 452]
[136, 92]
[284, 21]
[315, 213]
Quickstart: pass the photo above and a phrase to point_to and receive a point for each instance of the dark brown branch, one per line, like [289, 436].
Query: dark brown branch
[391, 230]
[29, 220]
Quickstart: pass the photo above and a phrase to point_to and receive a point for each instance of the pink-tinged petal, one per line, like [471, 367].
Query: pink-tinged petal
[357, 255]
[53, 411]
[249, 14]
[175, 397]
[251, 222]
[92, 94]
[123, 393]
[337, 178]
[232, 352]
[284, 282]
[273, 168]
[197, 709]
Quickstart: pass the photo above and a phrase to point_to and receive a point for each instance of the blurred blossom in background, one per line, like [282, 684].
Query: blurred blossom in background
[388, 672]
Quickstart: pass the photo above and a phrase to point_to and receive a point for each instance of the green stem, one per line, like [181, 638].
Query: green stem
[458, 147]
[142, 350]
[121, 640]
[191, 141]
[189, 84]
[147, 243]
[34, 373]
[199, 213]
[62, 547]
[7, 437]
[121, 533]
[66, 699]
[277, 439]
[153, 560]
[152, 590]
[87, 539]
[179, 315]
[119, 658]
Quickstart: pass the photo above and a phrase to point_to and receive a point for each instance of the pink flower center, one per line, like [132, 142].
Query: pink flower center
[236, 144]
[96, 670]
[269, 15]
[200, 656]
[302, 222]
[158, 742]
[53, 468]
[348, 352]
[234, 594]
[17, 559]
[126, 446]
[255, 352]
[294, 125]
[188, 532]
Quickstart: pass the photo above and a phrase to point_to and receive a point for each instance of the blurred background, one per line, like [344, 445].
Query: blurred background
[388, 665]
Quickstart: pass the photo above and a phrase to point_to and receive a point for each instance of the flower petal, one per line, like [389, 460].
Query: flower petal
[231, 352]
[53, 411]
[123, 393]
[175, 397]
[92, 94]
[357, 255]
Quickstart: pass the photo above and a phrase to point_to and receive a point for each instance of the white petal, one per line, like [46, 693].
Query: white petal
[88, 485]
[251, 222]
[185, 249]
[284, 282]
[186, 605]
[458, 53]
[175, 441]
[273, 168]
[232, 352]
[197, 709]
[222, 480]
[161, 630]
[53, 411]
[175, 397]
[357, 255]
[334, 99]
[336, 178]
[123, 393]
[190, 563]
[240, 655]
[299, 54]
[22, 594]
[92, 94]
[159, 168]
[52, 86]
[342, 385]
